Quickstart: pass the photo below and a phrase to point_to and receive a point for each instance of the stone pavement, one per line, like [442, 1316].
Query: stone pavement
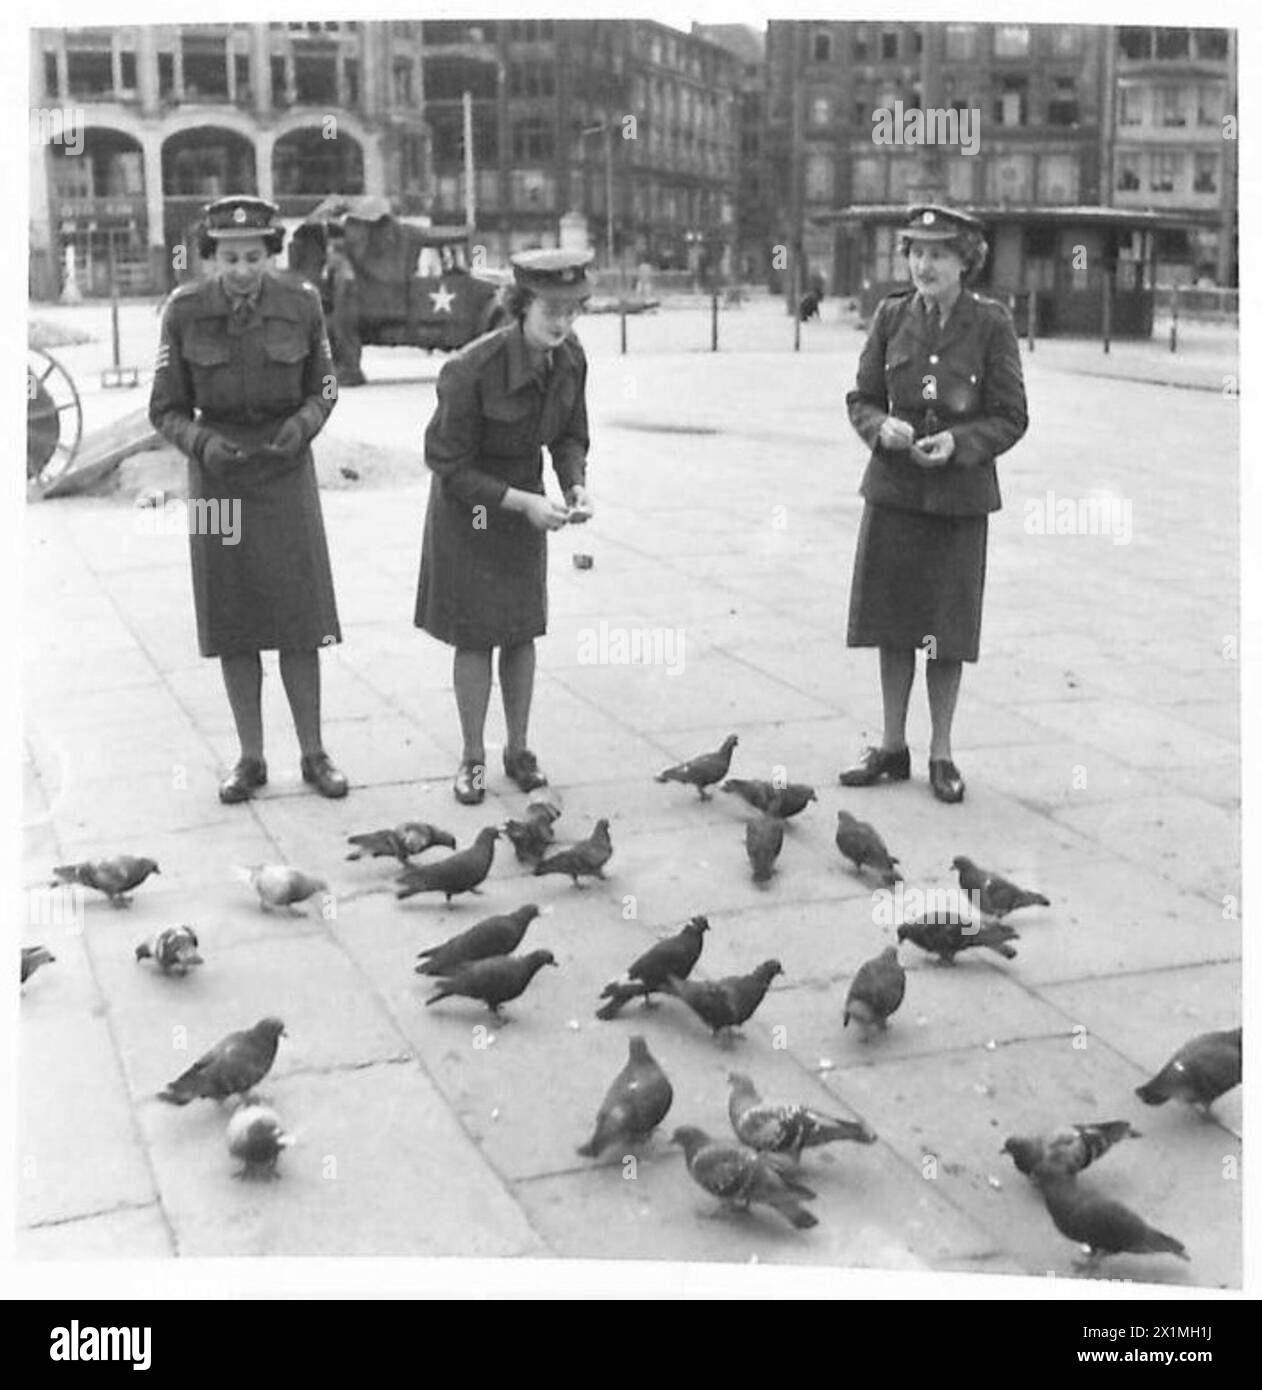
[1099, 735]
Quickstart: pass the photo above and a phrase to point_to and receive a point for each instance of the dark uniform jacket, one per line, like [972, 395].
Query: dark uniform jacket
[965, 377]
[272, 588]
[483, 578]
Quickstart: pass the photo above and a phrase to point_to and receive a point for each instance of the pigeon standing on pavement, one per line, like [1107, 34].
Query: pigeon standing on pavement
[1106, 1227]
[115, 877]
[277, 885]
[495, 981]
[531, 836]
[256, 1137]
[875, 992]
[781, 802]
[234, 1066]
[946, 939]
[173, 950]
[1199, 1072]
[457, 873]
[785, 1129]
[725, 1004]
[32, 958]
[635, 1104]
[1067, 1150]
[401, 842]
[587, 859]
[741, 1177]
[860, 843]
[997, 896]
[493, 936]
[764, 838]
[704, 771]
[674, 955]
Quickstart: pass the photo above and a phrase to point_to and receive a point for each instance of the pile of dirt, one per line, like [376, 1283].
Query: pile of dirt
[42, 334]
[340, 465]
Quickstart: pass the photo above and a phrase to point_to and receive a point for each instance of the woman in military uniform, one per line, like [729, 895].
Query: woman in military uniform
[484, 557]
[939, 395]
[243, 383]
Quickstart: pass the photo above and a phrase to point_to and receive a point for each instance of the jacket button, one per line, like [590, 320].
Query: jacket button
[934, 358]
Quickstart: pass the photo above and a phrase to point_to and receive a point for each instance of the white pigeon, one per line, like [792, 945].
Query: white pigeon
[280, 886]
[256, 1136]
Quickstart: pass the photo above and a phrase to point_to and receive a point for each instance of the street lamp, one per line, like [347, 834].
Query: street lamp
[607, 130]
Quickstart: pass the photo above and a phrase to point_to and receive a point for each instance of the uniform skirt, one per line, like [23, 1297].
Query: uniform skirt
[270, 588]
[918, 575]
[484, 574]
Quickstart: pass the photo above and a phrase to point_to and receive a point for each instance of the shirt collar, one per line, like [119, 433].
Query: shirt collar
[521, 367]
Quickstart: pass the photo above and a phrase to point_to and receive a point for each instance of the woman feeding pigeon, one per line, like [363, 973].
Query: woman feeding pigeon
[938, 396]
[242, 384]
[484, 558]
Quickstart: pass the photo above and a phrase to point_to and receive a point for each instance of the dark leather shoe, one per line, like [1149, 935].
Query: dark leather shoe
[945, 779]
[875, 764]
[240, 783]
[469, 785]
[318, 770]
[523, 768]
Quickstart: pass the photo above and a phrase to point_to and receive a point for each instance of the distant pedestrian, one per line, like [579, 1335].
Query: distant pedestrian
[242, 384]
[939, 394]
[484, 558]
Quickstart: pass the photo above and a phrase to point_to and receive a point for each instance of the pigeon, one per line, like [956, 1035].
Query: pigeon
[493, 936]
[1199, 1072]
[114, 877]
[457, 873]
[704, 771]
[280, 886]
[763, 840]
[1106, 1227]
[996, 896]
[729, 1002]
[946, 939]
[412, 837]
[785, 1129]
[531, 836]
[634, 1105]
[493, 981]
[256, 1137]
[781, 802]
[32, 958]
[585, 859]
[742, 1177]
[1068, 1150]
[875, 992]
[174, 950]
[857, 840]
[674, 955]
[234, 1066]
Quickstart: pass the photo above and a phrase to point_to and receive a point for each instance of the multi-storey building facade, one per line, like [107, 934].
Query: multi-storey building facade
[144, 124]
[1173, 143]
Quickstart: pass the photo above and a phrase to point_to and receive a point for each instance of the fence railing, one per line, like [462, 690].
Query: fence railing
[1220, 305]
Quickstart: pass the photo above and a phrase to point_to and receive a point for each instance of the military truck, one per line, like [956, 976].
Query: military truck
[391, 280]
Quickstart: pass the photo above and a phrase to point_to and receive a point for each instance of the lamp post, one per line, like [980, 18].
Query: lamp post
[606, 129]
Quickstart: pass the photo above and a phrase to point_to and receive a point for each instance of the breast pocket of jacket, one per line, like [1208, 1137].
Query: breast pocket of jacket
[960, 388]
[902, 379]
[509, 427]
[210, 358]
[285, 349]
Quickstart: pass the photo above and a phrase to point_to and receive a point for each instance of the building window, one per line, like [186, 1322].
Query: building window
[821, 110]
[1128, 173]
[961, 42]
[241, 75]
[917, 42]
[1063, 107]
[532, 190]
[862, 112]
[1011, 104]
[889, 44]
[1009, 178]
[532, 140]
[819, 177]
[1135, 43]
[822, 47]
[902, 173]
[1164, 172]
[350, 75]
[402, 82]
[50, 74]
[1211, 44]
[89, 73]
[1066, 39]
[860, 50]
[1209, 105]
[1170, 106]
[960, 178]
[1012, 40]
[1173, 43]
[1130, 106]
[205, 67]
[315, 79]
[1205, 173]
[1058, 178]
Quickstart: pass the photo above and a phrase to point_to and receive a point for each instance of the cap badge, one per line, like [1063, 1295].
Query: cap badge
[239, 215]
[927, 219]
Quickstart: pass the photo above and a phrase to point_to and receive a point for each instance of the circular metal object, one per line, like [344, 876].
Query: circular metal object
[54, 417]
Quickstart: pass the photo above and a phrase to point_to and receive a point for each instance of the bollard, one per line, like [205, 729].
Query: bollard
[1174, 318]
[1106, 317]
[1030, 317]
[714, 321]
[622, 325]
[114, 324]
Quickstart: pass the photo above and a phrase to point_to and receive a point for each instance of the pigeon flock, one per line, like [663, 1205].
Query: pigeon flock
[760, 1163]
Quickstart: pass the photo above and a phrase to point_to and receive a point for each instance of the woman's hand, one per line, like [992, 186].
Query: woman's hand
[934, 449]
[581, 508]
[216, 453]
[290, 439]
[895, 434]
[542, 513]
